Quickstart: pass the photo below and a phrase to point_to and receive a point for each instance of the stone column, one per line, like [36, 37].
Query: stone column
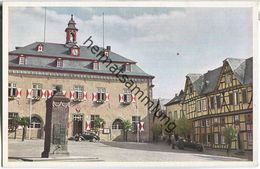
[56, 128]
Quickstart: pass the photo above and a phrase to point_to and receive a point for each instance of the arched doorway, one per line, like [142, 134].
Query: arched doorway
[117, 124]
[117, 132]
[36, 126]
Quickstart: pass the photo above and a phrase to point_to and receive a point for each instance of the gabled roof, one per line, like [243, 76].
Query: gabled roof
[176, 99]
[193, 77]
[210, 80]
[249, 71]
[206, 83]
[238, 68]
[242, 69]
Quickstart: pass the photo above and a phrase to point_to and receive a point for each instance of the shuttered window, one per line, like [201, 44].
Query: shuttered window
[231, 98]
[11, 89]
[244, 96]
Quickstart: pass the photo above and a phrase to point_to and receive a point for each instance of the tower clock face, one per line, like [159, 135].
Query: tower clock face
[75, 52]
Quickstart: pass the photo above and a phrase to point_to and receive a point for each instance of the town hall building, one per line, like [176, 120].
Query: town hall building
[37, 69]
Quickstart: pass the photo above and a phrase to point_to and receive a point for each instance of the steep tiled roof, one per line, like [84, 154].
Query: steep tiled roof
[249, 71]
[52, 51]
[206, 83]
[193, 77]
[60, 50]
[176, 99]
[210, 80]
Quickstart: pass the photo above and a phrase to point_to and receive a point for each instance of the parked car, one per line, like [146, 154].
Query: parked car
[182, 143]
[88, 136]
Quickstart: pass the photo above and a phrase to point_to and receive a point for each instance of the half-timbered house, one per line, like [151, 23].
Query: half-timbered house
[220, 98]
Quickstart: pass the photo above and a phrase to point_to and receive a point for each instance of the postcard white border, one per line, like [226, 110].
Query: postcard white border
[252, 4]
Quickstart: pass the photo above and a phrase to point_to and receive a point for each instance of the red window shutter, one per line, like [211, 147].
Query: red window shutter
[72, 95]
[18, 92]
[84, 95]
[64, 93]
[43, 93]
[87, 127]
[94, 97]
[29, 93]
[133, 98]
[50, 93]
[141, 126]
[107, 97]
[121, 98]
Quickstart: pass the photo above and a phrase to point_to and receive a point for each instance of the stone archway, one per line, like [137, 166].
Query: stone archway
[117, 130]
[37, 126]
[117, 124]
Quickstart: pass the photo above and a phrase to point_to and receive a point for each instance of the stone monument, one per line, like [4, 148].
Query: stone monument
[56, 127]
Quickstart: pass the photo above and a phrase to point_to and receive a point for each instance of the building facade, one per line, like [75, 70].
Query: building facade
[88, 78]
[174, 106]
[221, 98]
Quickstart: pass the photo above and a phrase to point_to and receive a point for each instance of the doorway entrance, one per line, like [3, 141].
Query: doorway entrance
[77, 124]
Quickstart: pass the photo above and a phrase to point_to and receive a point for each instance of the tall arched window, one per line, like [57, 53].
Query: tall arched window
[117, 124]
[35, 122]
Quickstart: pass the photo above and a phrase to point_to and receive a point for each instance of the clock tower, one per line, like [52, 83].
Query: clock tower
[71, 33]
[71, 38]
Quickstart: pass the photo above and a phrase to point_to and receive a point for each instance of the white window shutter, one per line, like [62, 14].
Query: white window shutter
[133, 98]
[107, 97]
[43, 93]
[94, 97]
[29, 93]
[72, 95]
[84, 95]
[121, 98]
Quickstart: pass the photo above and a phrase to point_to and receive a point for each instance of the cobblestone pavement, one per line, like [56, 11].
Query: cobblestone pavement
[114, 151]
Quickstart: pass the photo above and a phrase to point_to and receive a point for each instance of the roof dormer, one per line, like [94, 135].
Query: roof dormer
[40, 47]
[22, 60]
[59, 62]
[127, 67]
[74, 50]
[107, 51]
[96, 65]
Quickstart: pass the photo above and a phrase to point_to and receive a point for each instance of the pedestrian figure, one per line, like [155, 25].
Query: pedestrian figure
[173, 141]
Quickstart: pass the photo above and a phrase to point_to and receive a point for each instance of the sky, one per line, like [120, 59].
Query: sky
[166, 42]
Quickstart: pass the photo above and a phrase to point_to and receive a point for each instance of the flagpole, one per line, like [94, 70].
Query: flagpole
[44, 25]
[103, 24]
[30, 116]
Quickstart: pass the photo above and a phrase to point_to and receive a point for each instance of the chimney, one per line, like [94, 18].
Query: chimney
[109, 48]
[176, 94]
